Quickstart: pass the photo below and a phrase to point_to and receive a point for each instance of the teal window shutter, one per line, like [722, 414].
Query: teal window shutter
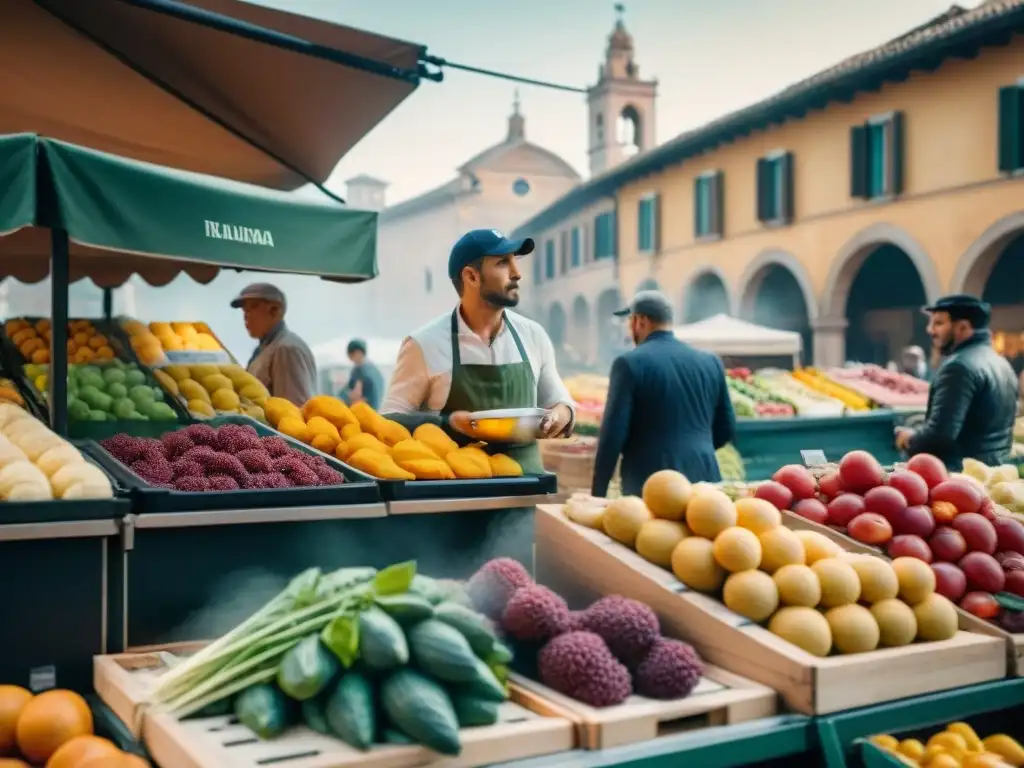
[598, 236]
[644, 225]
[575, 247]
[764, 189]
[878, 165]
[656, 215]
[895, 153]
[536, 270]
[549, 259]
[698, 207]
[1011, 130]
[718, 203]
[613, 235]
[859, 161]
[563, 252]
[787, 202]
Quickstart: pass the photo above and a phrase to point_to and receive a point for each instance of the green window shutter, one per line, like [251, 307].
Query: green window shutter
[697, 205]
[656, 228]
[613, 236]
[575, 245]
[644, 225]
[563, 255]
[787, 202]
[859, 161]
[718, 203]
[1010, 129]
[536, 270]
[896, 140]
[597, 237]
[764, 189]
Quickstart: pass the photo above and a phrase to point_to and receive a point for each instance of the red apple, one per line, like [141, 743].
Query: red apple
[978, 532]
[843, 508]
[930, 468]
[988, 509]
[885, 501]
[917, 520]
[775, 493]
[943, 511]
[870, 528]
[961, 494]
[1010, 561]
[947, 544]
[830, 485]
[798, 479]
[981, 604]
[813, 510]
[1010, 534]
[908, 545]
[982, 571]
[911, 485]
[950, 581]
[860, 472]
[1015, 583]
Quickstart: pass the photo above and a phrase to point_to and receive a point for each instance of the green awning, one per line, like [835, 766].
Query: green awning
[127, 217]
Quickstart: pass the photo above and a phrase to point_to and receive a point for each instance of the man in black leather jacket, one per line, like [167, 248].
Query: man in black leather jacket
[972, 402]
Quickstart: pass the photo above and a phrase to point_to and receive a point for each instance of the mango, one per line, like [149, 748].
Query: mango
[378, 464]
[427, 469]
[468, 467]
[411, 450]
[435, 438]
[318, 425]
[391, 432]
[294, 428]
[1006, 747]
[505, 466]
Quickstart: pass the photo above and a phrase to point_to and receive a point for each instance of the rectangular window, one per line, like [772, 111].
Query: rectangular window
[775, 188]
[876, 157]
[574, 244]
[549, 260]
[604, 236]
[647, 224]
[537, 269]
[563, 253]
[708, 216]
[1011, 128]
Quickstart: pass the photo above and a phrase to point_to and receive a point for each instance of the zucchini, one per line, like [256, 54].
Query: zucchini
[485, 686]
[407, 608]
[263, 709]
[307, 669]
[442, 652]
[395, 736]
[471, 624]
[216, 709]
[472, 711]
[350, 711]
[382, 644]
[500, 654]
[428, 588]
[313, 715]
[420, 708]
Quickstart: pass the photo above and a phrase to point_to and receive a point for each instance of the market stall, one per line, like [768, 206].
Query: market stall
[732, 338]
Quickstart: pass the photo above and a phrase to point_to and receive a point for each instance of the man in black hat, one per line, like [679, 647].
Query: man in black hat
[668, 405]
[972, 401]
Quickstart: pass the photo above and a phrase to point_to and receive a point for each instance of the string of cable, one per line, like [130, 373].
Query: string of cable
[439, 62]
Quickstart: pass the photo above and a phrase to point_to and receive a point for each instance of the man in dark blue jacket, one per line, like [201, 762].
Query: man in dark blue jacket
[668, 405]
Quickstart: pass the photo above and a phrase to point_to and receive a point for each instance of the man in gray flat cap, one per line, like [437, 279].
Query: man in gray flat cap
[668, 405]
[281, 360]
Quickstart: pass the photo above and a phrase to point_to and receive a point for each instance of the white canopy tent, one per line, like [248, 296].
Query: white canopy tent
[726, 335]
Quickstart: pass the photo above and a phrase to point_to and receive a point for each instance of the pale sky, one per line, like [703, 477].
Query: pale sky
[709, 56]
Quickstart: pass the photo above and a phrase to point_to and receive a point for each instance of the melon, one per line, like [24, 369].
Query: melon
[709, 513]
[839, 582]
[757, 515]
[624, 517]
[12, 701]
[666, 494]
[737, 549]
[936, 618]
[817, 547]
[780, 547]
[854, 629]
[694, 564]
[803, 627]
[915, 577]
[751, 594]
[877, 579]
[586, 511]
[798, 585]
[49, 721]
[657, 539]
[897, 624]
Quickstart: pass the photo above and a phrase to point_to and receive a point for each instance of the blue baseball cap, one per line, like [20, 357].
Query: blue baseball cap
[478, 243]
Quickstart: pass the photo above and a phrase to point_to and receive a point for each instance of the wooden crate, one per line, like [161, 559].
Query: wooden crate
[573, 466]
[528, 727]
[968, 622]
[583, 564]
[721, 698]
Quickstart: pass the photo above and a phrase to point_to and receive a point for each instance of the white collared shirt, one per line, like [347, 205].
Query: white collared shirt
[422, 378]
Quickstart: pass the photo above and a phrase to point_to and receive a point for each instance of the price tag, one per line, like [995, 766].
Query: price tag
[814, 458]
[42, 678]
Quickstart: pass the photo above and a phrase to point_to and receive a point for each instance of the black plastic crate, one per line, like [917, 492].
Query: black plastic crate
[360, 488]
[490, 487]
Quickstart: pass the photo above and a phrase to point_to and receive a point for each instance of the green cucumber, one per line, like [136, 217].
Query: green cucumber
[426, 587]
[382, 644]
[485, 685]
[443, 652]
[421, 708]
[263, 709]
[313, 715]
[472, 711]
[471, 624]
[350, 711]
[394, 736]
[307, 669]
[407, 608]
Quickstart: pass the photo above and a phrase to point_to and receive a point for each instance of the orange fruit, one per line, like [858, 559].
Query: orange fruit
[81, 749]
[49, 721]
[12, 762]
[121, 760]
[12, 701]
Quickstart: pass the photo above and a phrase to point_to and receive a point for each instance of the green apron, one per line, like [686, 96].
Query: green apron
[486, 387]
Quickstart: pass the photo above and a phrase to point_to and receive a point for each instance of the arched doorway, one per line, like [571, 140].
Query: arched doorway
[557, 326]
[775, 292]
[628, 131]
[610, 333]
[650, 284]
[581, 335]
[705, 297]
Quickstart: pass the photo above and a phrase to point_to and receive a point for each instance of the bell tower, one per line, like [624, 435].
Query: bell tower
[620, 106]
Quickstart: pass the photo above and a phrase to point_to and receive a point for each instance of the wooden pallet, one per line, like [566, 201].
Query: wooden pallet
[720, 698]
[582, 564]
[528, 727]
[968, 622]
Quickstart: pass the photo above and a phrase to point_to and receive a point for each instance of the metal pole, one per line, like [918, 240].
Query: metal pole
[108, 304]
[60, 274]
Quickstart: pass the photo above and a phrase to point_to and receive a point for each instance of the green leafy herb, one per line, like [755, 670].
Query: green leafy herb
[341, 636]
[395, 579]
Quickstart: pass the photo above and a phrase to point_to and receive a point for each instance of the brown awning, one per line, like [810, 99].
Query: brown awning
[148, 80]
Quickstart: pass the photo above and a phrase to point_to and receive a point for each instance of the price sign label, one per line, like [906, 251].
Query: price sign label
[42, 678]
[814, 458]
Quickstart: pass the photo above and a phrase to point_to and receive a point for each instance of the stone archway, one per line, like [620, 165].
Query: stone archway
[775, 291]
[557, 326]
[610, 333]
[757, 270]
[978, 262]
[581, 335]
[705, 295]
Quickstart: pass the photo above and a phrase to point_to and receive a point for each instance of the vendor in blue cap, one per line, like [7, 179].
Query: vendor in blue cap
[972, 401]
[481, 356]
